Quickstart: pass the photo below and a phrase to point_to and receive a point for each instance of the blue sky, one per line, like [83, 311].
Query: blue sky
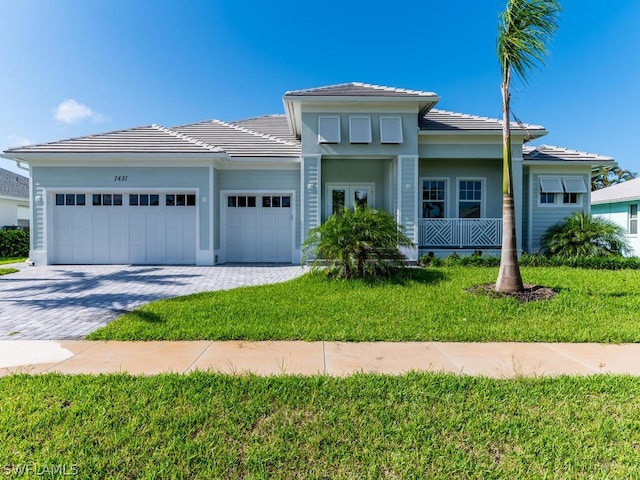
[77, 67]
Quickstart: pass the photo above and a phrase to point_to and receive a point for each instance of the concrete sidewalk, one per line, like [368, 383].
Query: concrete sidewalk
[498, 360]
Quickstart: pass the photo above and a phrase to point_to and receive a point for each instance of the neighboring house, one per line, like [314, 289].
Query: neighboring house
[619, 203]
[250, 190]
[14, 200]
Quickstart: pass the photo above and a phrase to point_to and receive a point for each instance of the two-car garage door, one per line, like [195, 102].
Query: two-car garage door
[123, 228]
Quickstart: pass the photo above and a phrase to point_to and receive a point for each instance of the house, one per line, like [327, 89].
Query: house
[14, 200]
[250, 190]
[619, 203]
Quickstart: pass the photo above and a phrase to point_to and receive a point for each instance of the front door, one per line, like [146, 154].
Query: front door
[340, 197]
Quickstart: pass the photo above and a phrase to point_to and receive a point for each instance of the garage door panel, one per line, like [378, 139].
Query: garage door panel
[260, 233]
[131, 232]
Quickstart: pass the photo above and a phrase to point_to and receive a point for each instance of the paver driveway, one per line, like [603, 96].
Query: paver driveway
[69, 302]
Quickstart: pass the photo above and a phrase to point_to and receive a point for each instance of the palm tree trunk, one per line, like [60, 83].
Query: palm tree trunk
[509, 278]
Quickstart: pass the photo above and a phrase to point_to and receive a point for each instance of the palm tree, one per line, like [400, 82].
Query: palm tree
[524, 28]
[602, 177]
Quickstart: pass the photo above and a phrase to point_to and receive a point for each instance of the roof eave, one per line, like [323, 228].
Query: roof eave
[591, 163]
[529, 134]
[28, 157]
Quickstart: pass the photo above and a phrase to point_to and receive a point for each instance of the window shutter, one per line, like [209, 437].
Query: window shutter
[551, 185]
[329, 129]
[574, 185]
[360, 129]
[390, 130]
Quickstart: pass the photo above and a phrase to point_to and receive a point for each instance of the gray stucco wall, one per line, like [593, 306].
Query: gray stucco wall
[104, 179]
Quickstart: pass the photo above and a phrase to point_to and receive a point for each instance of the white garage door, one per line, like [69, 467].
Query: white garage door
[258, 228]
[123, 228]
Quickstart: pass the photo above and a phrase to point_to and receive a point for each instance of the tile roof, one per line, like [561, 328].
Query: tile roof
[146, 139]
[542, 153]
[13, 184]
[444, 120]
[274, 125]
[358, 89]
[629, 190]
[239, 141]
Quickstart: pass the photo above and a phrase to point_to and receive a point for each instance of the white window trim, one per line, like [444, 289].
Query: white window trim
[483, 194]
[629, 234]
[368, 138]
[447, 213]
[382, 130]
[322, 139]
[347, 186]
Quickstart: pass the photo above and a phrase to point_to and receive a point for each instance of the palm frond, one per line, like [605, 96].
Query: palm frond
[523, 31]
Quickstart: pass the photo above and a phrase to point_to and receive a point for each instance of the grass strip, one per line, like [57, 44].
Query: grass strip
[365, 426]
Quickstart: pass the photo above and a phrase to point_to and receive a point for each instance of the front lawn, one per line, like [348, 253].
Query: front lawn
[365, 426]
[4, 271]
[5, 261]
[430, 304]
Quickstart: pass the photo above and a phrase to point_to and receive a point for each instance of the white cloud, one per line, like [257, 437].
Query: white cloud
[18, 141]
[71, 111]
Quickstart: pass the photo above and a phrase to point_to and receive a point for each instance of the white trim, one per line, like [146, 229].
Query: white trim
[483, 194]
[359, 130]
[326, 136]
[447, 206]
[222, 256]
[396, 140]
[530, 219]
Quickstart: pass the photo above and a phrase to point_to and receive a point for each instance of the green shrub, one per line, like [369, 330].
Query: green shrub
[14, 243]
[357, 243]
[583, 235]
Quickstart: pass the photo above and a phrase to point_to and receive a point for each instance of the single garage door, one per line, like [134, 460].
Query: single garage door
[124, 228]
[258, 228]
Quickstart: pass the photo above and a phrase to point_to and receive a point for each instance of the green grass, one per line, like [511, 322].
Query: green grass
[430, 304]
[415, 426]
[4, 271]
[5, 261]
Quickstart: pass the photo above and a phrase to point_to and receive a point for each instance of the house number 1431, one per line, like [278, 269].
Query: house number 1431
[120, 178]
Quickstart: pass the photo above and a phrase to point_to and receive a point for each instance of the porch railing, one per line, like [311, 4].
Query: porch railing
[460, 232]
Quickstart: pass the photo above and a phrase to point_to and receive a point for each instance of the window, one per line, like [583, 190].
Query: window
[340, 196]
[360, 129]
[242, 201]
[390, 130]
[276, 201]
[328, 129]
[470, 198]
[633, 219]
[434, 198]
[547, 198]
[70, 199]
[104, 199]
[555, 189]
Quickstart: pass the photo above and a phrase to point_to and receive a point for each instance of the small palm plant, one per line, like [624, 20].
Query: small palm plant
[357, 243]
[583, 235]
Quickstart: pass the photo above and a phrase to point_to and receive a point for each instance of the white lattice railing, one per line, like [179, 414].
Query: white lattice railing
[460, 232]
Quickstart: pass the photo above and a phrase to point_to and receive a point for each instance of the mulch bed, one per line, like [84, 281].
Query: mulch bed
[531, 293]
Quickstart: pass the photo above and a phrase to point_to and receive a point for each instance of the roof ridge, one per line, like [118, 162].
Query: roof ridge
[251, 132]
[565, 149]
[187, 138]
[394, 89]
[477, 117]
